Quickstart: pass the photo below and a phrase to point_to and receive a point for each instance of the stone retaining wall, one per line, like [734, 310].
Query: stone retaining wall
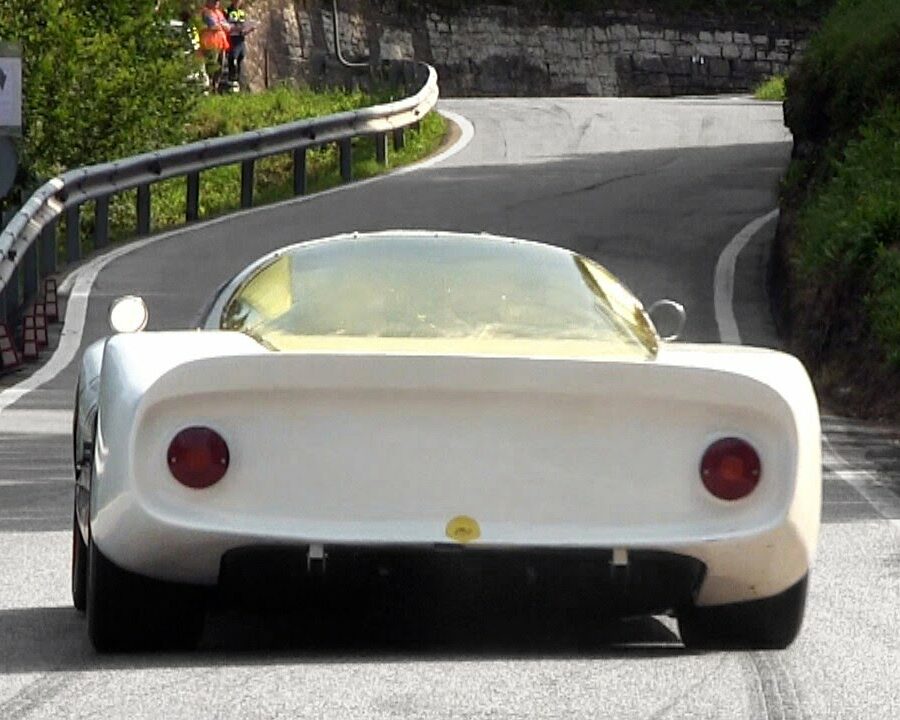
[506, 51]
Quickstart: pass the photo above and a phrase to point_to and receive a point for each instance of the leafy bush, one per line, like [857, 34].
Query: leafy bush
[771, 89]
[850, 69]
[848, 233]
[102, 80]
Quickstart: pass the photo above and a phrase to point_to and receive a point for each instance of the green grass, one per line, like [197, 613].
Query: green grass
[771, 89]
[216, 116]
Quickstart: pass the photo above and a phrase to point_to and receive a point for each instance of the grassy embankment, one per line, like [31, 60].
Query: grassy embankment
[216, 116]
[837, 271]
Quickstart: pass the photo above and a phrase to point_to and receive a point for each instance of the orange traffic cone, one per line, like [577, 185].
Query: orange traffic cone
[9, 356]
[29, 340]
[50, 300]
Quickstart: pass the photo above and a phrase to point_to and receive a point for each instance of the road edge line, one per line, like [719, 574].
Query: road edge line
[723, 286]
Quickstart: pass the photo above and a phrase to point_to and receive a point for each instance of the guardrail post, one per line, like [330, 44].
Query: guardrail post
[399, 139]
[143, 210]
[346, 148]
[381, 149]
[416, 126]
[30, 279]
[48, 249]
[192, 211]
[300, 171]
[101, 222]
[73, 233]
[247, 183]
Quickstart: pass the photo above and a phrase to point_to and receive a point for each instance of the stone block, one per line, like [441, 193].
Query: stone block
[706, 37]
[761, 67]
[731, 52]
[632, 32]
[651, 33]
[684, 51]
[664, 47]
[600, 33]
[777, 57]
[742, 38]
[678, 65]
[671, 35]
[646, 45]
[784, 44]
[709, 50]
[761, 40]
[723, 37]
[648, 63]
[719, 67]
[616, 32]
[748, 53]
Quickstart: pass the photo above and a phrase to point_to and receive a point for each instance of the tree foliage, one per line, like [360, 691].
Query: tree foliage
[102, 79]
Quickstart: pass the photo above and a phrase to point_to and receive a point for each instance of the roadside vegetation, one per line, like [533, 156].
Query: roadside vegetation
[219, 115]
[837, 275]
[771, 89]
[107, 80]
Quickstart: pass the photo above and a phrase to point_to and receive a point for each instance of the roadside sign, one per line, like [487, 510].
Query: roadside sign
[10, 89]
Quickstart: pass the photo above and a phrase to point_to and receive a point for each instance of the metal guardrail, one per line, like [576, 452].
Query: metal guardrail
[29, 240]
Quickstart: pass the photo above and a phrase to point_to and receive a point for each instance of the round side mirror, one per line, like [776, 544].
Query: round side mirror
[128, 314]
[669, 318]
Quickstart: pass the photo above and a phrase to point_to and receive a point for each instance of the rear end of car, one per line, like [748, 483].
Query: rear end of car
[692, 479]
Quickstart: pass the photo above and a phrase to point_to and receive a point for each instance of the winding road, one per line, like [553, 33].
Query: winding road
[655, 190]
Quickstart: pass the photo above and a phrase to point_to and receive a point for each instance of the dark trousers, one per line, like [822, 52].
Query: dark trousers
[235, 59]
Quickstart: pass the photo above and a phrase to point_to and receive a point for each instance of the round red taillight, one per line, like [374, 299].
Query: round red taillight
[730, 468]
[198, 457]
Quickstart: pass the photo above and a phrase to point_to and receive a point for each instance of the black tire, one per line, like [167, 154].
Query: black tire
[79, 566]
[127, 612]
[768, 624]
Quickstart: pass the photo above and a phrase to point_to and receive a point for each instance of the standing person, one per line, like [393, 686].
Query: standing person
[240, 28]
[214, 40]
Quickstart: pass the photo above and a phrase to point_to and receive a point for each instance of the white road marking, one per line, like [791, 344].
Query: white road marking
[885, 502]
[724, 282]
[78, 284]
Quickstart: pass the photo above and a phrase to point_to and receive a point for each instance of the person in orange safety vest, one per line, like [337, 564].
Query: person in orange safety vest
[214, 39]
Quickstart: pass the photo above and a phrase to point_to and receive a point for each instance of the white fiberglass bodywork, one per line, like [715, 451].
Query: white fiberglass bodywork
[377, 444]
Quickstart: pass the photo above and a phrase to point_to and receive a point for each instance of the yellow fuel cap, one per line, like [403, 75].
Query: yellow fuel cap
[463, 529]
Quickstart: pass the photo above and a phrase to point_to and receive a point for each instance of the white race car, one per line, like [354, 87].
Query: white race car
[370, 403]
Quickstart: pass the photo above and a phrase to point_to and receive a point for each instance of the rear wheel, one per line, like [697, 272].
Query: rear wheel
[767, 624]
[126, 611]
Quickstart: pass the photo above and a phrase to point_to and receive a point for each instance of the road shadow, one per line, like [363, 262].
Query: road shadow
[55, 639]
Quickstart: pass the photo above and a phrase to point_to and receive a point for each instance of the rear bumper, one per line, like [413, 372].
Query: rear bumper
[421, 576]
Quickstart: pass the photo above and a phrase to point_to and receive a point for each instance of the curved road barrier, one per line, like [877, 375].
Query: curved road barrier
[30, 237]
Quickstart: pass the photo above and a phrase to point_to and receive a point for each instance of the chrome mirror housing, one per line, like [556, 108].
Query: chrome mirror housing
[128, 314]
[669, 318]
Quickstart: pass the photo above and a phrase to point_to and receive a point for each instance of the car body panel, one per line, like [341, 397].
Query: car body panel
[384, 445]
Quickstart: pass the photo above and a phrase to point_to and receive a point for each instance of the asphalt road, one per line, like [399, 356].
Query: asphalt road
[654, 190]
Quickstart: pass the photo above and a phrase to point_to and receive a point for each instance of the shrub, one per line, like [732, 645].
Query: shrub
[850, 69]
[102, 80]
[771, 89]
[848, 234]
